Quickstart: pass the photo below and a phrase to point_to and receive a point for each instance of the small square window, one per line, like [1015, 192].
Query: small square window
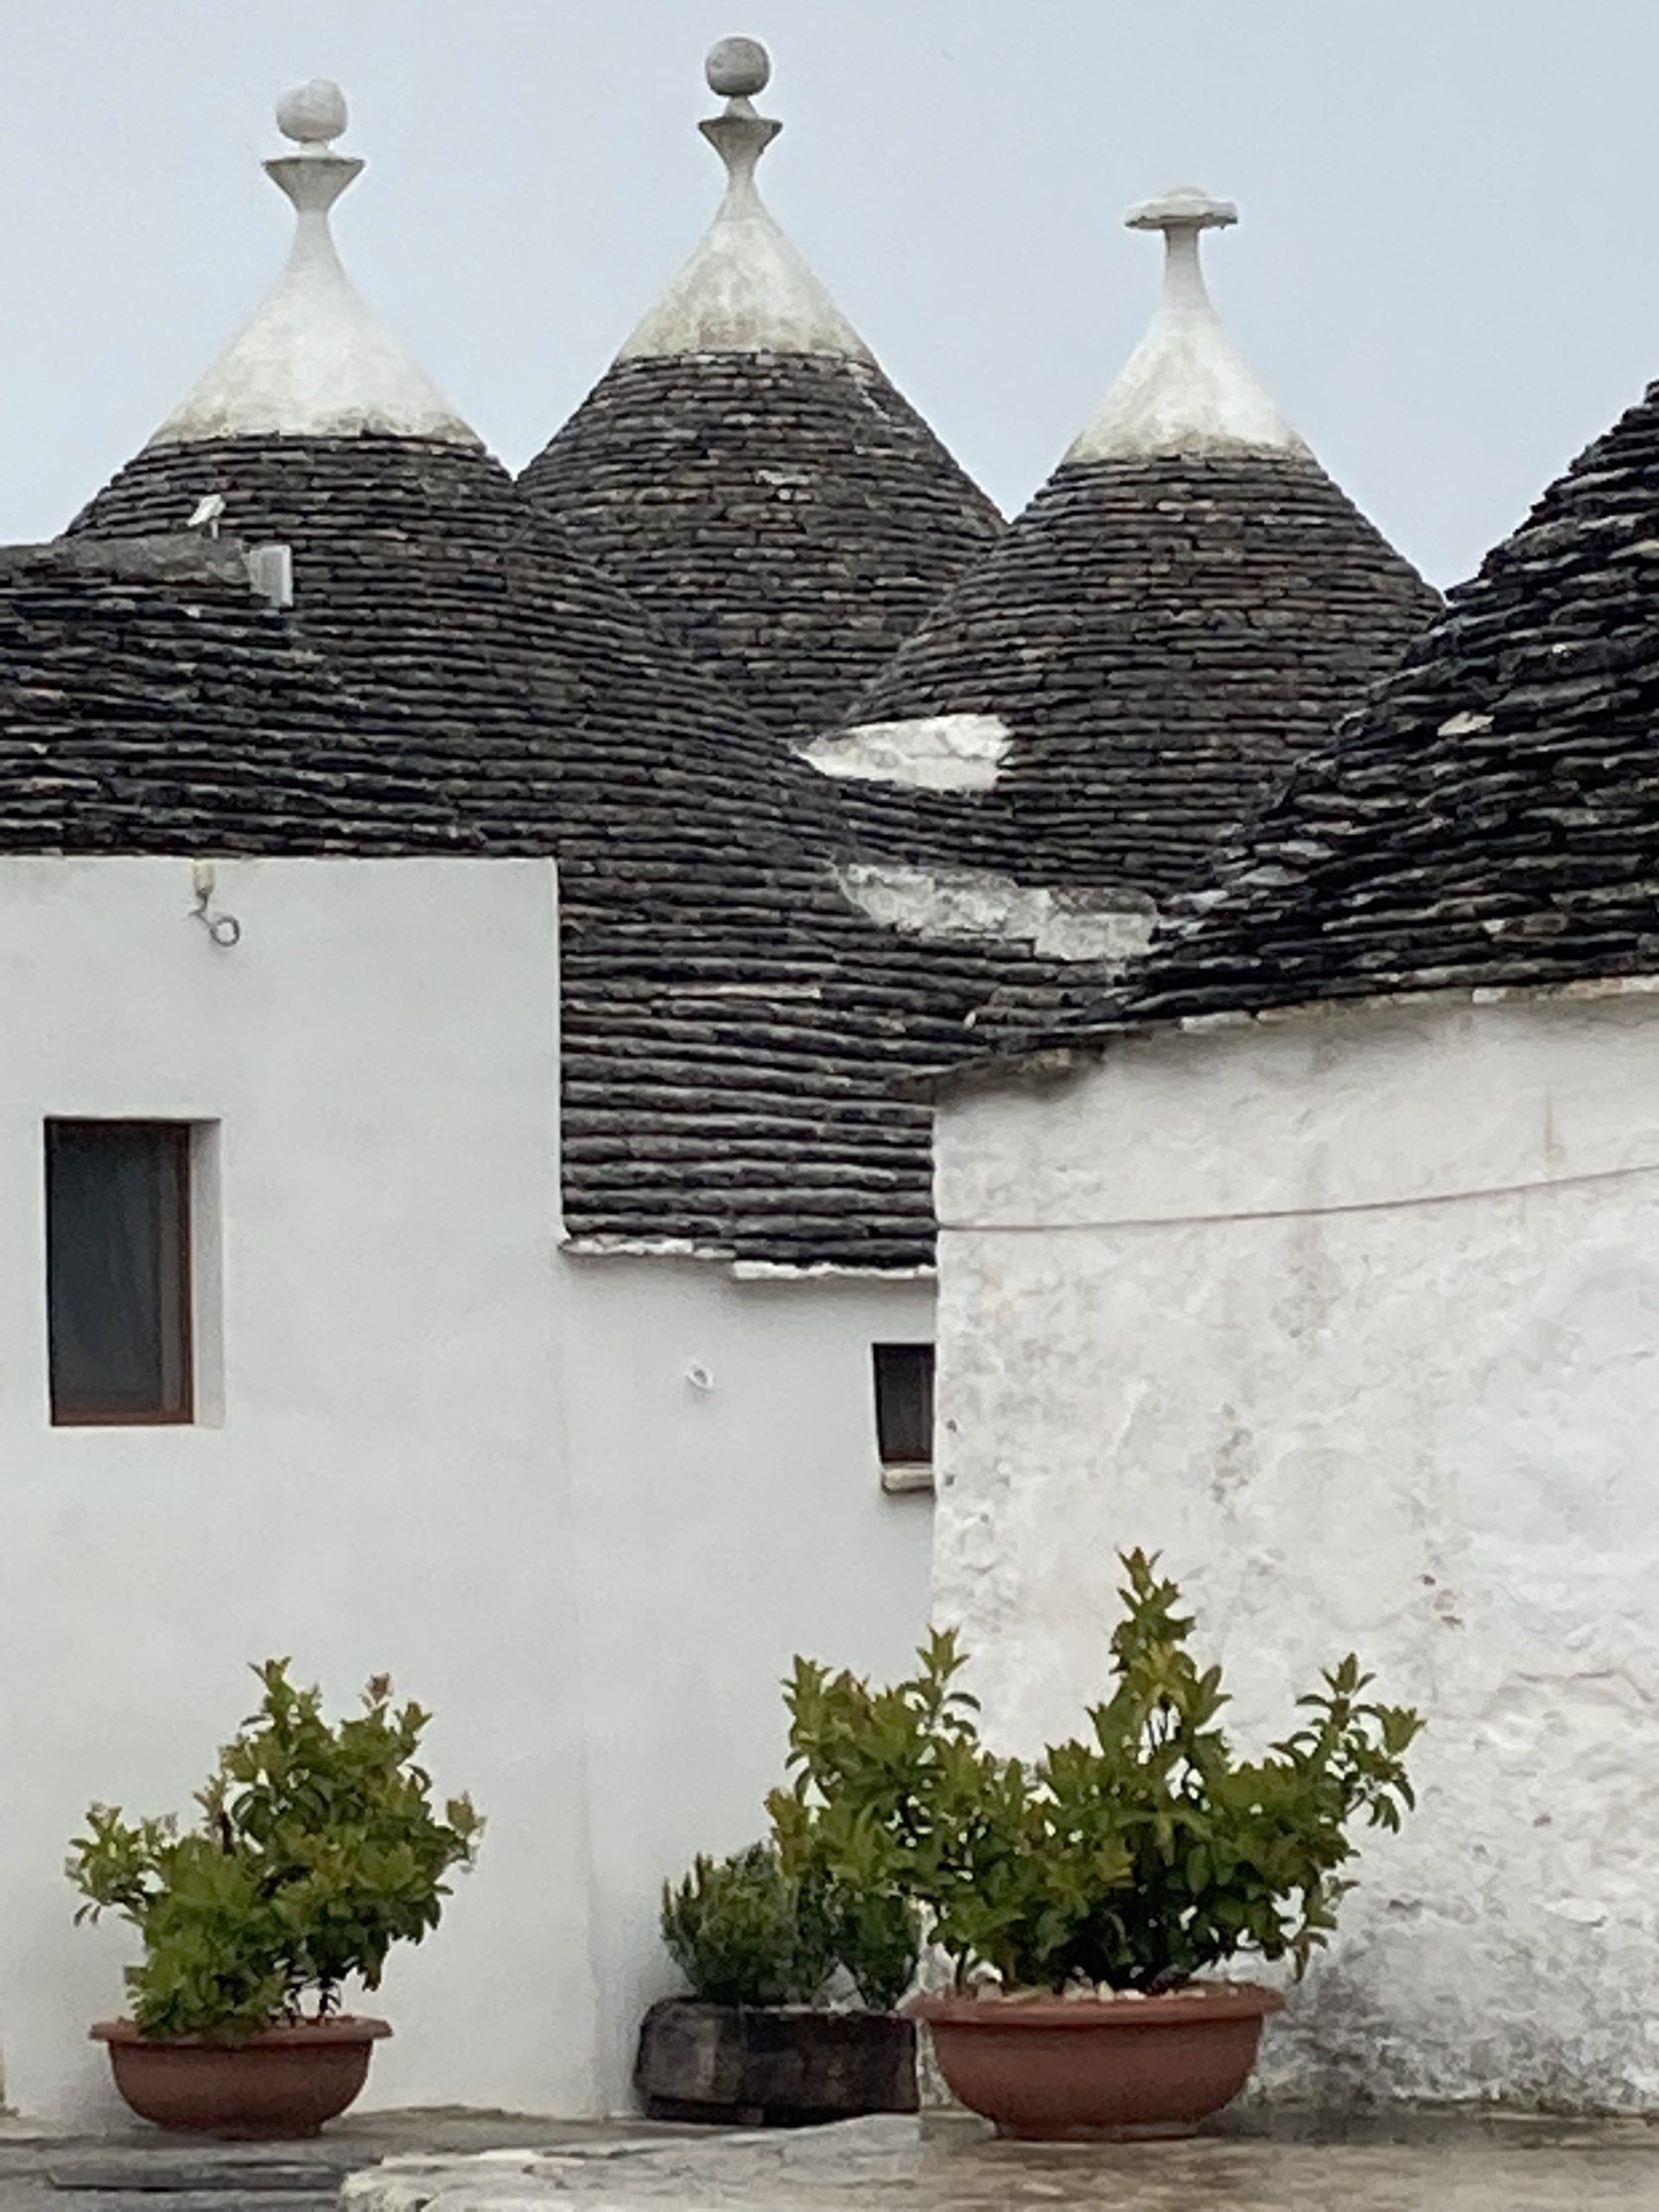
[117, 1271]
[904, 1414]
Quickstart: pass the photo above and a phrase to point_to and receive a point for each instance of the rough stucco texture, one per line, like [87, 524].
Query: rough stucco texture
[386, 1487]
[1357, 1318]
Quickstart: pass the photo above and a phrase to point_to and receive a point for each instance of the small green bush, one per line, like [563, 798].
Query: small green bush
[317, 1850]
[740, 1932]
[752, 1929]
[874, 1933]
[1137, 1856]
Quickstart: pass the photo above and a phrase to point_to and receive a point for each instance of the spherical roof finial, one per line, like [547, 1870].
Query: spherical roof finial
[738, 68]
[313, 114]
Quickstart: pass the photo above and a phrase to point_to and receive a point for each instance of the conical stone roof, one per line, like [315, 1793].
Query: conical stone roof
[731, 1025]
[152, 701]
[1491, 818]
[749, 474]
[1184, 608]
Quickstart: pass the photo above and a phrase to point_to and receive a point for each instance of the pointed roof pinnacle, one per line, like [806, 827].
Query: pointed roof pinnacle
[313, 362]
[746, 289]
[1186, 388]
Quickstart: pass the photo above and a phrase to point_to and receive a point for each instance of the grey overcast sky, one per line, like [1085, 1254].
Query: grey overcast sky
[1445, 269]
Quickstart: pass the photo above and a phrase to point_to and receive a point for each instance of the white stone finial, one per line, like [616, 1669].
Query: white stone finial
[314, 362]
[738, 68]
[1186, 388]
[746, 289]
[314, 114]
[1184, 207]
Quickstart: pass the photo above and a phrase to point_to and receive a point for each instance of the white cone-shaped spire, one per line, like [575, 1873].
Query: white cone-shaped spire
[1186, 388]
[314, 362]
[746, 289]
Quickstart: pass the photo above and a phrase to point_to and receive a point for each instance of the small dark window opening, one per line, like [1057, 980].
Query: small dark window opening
[904, 1404]
[117, 1271]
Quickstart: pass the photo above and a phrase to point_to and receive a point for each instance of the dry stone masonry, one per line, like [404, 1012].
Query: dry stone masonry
[731, 1023]
[733, 536]
[1186, 606]
[1489, 820]
[749, 474]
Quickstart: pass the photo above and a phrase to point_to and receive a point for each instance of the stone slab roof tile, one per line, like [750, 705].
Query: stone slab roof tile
[1491, 819]
[1161, 637]
[731, 1023]
[787, 519]
[749, 474]
[1186, 606]
[150, 700]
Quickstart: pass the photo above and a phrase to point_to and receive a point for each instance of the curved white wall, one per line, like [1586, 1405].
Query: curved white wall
[1357, 1317]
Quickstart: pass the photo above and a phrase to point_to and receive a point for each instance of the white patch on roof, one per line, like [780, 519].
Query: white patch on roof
[1466, 724]
[1186, 388]
[978, 904]
[314, 362]
[746, 289]
[934, 753]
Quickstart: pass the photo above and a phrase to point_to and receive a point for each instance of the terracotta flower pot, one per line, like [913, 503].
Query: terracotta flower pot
[283, 2081]
[1059, 2070]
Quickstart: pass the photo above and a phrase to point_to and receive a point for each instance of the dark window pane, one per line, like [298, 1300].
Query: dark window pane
[118, 1244]
[904, 1404]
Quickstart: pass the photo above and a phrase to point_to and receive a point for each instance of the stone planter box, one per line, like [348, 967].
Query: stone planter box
[752, 2066]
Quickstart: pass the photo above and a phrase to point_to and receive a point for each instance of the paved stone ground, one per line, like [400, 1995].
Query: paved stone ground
[138, 2168]
[896, 2165]
[1284, 2163]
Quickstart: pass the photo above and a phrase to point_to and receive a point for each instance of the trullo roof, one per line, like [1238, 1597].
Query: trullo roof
[1491, 817]
[1185, 608]
[749, 474]
[731, 1025]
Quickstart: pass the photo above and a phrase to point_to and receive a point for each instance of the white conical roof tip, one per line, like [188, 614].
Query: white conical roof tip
[1186, 388]
[746, 289]
[314, 362]
[314, 114]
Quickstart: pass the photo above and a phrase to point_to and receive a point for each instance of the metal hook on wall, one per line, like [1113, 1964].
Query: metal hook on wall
[224, 928]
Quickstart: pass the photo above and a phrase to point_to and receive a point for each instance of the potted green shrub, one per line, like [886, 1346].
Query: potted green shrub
[318, 1847]
[1091, 1895]
[752, 2045]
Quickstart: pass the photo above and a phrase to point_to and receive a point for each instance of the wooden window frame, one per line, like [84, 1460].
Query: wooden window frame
[182, 1136]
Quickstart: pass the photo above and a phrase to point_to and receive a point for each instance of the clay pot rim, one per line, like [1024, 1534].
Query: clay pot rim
[339, 2028]
[1205, 2001]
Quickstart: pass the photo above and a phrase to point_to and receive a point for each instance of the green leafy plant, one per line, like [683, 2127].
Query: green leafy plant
[751, 1930]
[741, 1932]
[318, 1849]
[875, 1932]
[1137, 1856]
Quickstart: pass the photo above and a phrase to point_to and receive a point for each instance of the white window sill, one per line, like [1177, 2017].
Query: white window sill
[899, 1481]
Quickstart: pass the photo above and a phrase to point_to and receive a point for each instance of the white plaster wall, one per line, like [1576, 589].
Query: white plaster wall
[387, 1489]
[1358, 1319]
[719, 1531]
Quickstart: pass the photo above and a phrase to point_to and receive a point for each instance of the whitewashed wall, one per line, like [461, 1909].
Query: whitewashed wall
[387, 1489]
[719, 1530]
[1358, 1319]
